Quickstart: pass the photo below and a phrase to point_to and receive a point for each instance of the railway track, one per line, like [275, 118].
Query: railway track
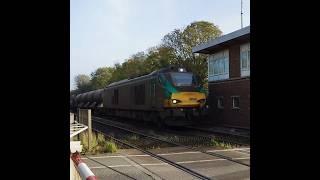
[183, 168]
[137, 132]
[229, 133]
[235, 139]
[201, 134]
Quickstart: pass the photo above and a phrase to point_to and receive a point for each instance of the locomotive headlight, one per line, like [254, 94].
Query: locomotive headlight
[175, 101]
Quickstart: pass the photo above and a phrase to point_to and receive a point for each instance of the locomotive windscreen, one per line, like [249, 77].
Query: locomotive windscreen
[183, 79]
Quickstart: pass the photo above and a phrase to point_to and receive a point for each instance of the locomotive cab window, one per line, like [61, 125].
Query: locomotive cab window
[183, 79]
[235, 102]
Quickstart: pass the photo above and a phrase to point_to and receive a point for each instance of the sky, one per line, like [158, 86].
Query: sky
[105, 32]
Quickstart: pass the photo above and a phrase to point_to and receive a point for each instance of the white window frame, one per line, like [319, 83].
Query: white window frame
[233, 104]
[219, 106]
[218, 66]
[245, 48]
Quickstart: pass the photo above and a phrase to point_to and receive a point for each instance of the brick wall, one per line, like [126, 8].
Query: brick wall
[229, 116]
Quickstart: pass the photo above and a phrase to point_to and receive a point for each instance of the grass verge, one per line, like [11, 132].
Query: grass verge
[98, 144]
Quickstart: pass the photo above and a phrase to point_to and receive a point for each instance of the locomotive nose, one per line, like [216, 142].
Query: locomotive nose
[186, 99]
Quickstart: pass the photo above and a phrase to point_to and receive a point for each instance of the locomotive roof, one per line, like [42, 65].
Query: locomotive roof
[128, 80]
[162, 70]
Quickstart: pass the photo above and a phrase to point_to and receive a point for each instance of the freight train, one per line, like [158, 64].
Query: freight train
[170, 96]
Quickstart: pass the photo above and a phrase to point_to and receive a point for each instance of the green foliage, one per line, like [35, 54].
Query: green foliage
[101, 77]
[110, 147]
[83, 83]
[216, 143]
[100, 139]
[98, 144]
[158, 57]
[84, 141]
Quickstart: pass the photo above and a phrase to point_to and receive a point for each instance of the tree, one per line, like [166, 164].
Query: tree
[101, 77]
[182, 42]
[157, 58]
[132, 67]
[83, 83]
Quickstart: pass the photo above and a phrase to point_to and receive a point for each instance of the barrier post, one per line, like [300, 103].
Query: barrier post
[84, 170]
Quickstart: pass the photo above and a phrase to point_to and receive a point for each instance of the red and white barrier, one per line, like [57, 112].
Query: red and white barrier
[84, 170]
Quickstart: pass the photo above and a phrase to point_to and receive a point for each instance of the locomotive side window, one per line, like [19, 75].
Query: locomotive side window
[235, 102]
[115, 98]
[139, 94]
[153, 88]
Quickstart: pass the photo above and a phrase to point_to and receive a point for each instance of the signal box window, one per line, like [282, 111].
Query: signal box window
[245, 59]
[235, 102]
[220, 104]
[218, 66]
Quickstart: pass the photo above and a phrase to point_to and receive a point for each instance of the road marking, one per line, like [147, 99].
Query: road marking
[167, 154]
[114, 166]
[143, 155]
[188, 152]
[160, 164]
[244, 152]
[210, 160]
[235, 149]
[118, 156]
[142, 168]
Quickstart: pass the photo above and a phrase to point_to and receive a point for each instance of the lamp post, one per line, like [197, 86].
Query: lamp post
[241, 15]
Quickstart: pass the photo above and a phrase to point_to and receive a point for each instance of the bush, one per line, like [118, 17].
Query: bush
[213, 142]
[98, 144]
[133, 138]
[101, 140]
[216, 143]
[110, 147]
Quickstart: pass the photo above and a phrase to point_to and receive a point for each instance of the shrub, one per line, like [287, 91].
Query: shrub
[216, 143]
[98, 144]
[110, 147]
[101, 140]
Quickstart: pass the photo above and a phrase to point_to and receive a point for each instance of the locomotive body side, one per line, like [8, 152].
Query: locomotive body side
[168, 96]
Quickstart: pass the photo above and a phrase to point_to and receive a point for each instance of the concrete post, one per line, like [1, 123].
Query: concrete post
[71, 118]
[85, 118]
[89, 126]
[78, 120]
